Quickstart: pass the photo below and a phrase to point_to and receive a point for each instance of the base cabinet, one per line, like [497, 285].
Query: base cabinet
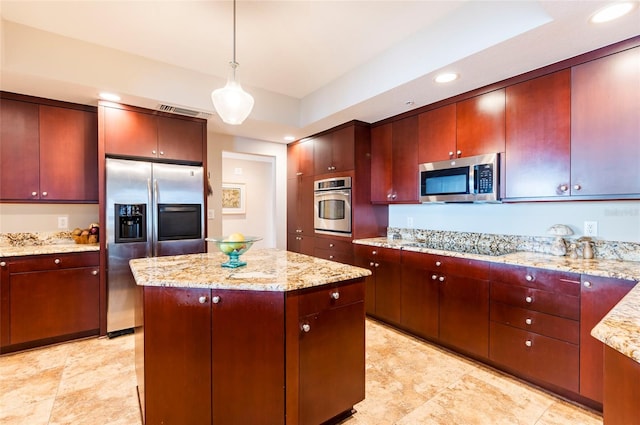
[249, 357]
[48, 299]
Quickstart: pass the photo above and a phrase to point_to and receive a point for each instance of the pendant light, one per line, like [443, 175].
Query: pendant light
[231, 102]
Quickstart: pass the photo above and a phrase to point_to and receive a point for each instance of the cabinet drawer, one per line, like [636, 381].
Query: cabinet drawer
[324, 297]
[548, 280]
[335, 245]
[535, 299]
[328, 254]
[376, 252]
[53, 262]
[539, 357]
[423, 261]
[467, 268]
[534, 321]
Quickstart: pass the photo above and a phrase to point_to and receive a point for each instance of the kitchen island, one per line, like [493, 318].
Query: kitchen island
[279, 341]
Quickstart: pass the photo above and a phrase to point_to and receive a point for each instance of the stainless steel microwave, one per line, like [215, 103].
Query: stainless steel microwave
[471, 179]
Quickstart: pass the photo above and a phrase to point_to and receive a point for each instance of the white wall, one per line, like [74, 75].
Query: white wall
[257, 174]
[617, 221]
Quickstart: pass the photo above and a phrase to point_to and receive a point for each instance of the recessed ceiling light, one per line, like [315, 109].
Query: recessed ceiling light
[446, 77]
[109, 96]
[289, 138]
[611, 12]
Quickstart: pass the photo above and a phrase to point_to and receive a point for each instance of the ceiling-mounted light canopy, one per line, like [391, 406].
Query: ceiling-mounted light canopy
[231, 102]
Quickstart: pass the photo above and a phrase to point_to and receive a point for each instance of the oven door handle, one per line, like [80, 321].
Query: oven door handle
[333, 193]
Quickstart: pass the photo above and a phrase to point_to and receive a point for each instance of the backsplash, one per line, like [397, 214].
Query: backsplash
[496, 244]
[36, 238]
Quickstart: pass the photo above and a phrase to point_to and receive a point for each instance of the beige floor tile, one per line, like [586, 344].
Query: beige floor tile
[562, 413]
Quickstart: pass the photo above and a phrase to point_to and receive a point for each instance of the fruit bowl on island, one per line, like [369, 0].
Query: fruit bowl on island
[234, 246]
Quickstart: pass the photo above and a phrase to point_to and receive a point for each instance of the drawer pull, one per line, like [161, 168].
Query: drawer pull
[374, 252]
[95, 272]
[528, 321]
[528, 343]
[57, 261]
[441, 278]
[434, 277]
[202, 300]
[3, 264]
[528, 300]
[335, 295]
[330, 257]
[529, 278]
[305, 327]
[438, 263]
[34, 193]
[331, 245]
[587, 284]
[44, 193]
[215, 299]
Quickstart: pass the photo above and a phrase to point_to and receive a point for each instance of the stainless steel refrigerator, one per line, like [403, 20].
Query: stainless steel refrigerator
[152, 209]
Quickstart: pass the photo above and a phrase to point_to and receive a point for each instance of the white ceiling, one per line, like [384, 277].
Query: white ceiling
[309, 64]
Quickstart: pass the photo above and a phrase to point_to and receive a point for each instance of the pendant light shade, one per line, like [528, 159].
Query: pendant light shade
[231, 102]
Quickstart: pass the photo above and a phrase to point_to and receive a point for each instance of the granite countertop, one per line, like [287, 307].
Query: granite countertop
[619, 329]
[62, 248]
[266, 270]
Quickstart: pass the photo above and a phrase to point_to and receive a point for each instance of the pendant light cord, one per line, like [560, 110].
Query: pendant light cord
[234, 32]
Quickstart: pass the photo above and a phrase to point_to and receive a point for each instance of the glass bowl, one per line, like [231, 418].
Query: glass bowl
[234, 249]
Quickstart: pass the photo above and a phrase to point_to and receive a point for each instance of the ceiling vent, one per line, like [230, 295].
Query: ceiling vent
[184, 111]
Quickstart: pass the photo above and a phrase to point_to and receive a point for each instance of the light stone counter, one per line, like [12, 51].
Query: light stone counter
[266, 270]
[64, 248]
[619, 329]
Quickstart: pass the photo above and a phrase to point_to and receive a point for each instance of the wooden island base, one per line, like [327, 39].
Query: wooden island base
[224, 356]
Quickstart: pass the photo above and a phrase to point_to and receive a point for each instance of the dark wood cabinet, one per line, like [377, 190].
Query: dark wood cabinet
[538, 137]
[621, 388]
[605, 134]
[597, 297]
[134, 132]
[334, 151]
[384, 300]
[394, 162]
[300, 231]
[48, 153]
[535, 322]
[337, 248]
[47, 299]
[300, 159]
[464, 306]
[331, 352]
[480, 124]
[437, 134]
[420, 293]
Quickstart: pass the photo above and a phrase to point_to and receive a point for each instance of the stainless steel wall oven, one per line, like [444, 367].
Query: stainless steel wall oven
[332, 206]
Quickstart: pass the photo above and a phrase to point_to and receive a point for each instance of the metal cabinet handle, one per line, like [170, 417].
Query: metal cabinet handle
[450, 154]
[441, 278]
[459, 152]
[34, 193]
[529, 278]
[528, 321]
[394, 196]
[331, 257]
[563, 187]
[161, 152]
[153, 152]
[298, 173]
[438, 263]
[215, 299]
[331, 245]
[529, 300]
[45, 193]
[434, 277]
[377, 265]
[57, 261]
[202, 299]
[587, 284]
[95, 272]
[374, 252]
[335, 295]
[528, 343]
[305, 327]
[3, 264]
[577, 187]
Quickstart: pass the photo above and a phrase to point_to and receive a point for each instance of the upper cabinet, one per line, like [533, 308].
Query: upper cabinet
[605, 126]
[300, 159]
[473, 126]
[334, 151]
[394, 162]
[538, 131]
[48, 151]
[480, 125]
[133, 132]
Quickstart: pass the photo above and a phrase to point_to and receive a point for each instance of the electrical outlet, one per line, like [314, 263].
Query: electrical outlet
[591, 228]
[63, 222]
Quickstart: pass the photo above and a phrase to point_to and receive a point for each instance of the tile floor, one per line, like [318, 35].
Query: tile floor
[409, 382]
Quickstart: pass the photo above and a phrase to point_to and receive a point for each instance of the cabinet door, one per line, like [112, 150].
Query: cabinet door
[381, 163]
[68, 154]
[181, 139]
[538, 137]
[177, 356]
[52, 303]
[464, 314]
[361, 259]
[419, 301]
[19, 150]
[388, 291]
[322, 155]
[300, 159]
[404, 168]
[437, 134]
[248, 350]
[480, 124]
[331, 377]
[598, 296]
[300, 204]
[343, 149]
[605, 129]
[130, 133]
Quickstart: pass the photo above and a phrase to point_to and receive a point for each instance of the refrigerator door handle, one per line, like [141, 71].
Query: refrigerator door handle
[150, 224]
[155, 217]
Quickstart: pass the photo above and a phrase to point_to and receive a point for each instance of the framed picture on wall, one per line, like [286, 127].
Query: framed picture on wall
[233, 198]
